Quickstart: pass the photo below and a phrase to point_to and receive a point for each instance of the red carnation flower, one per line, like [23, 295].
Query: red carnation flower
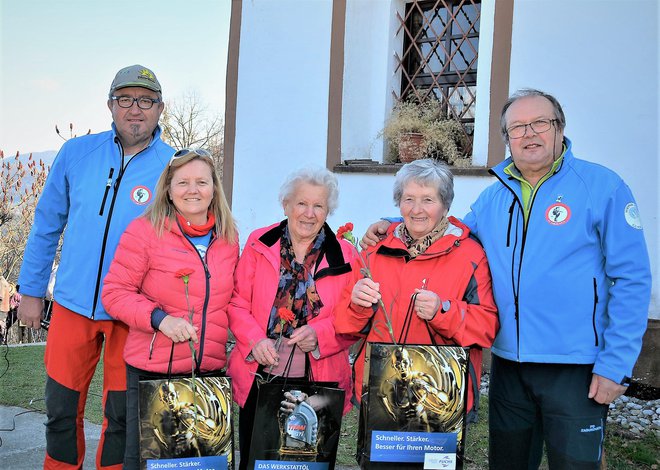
[285, 315]
[184, 272]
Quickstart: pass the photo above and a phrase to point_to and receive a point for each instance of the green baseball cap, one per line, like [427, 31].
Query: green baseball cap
[135, 75]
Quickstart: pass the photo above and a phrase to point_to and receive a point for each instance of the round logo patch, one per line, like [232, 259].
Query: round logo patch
[632, 216]
[558, 214]
[141, 195]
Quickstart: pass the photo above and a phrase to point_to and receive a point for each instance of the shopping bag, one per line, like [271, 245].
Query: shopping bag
[186, 423]
[413, 406]
[307, 433]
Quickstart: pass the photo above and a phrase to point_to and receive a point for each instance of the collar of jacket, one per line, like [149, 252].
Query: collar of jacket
[330, 250]
[394, 247]
[566, 161]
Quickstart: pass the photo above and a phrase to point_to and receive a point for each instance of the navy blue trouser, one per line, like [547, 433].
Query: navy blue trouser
[533, 403]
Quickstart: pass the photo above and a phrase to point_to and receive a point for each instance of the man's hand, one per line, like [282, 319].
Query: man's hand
[289, 403]
[365, 293]
[264, 352]
[605, 391]
[178, 329]
[30, 311]
[305, 337]
[375, 233]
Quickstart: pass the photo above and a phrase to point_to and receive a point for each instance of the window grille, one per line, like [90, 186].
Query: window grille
[439, 58]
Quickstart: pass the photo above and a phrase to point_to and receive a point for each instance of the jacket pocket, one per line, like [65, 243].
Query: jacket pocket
[593, 314]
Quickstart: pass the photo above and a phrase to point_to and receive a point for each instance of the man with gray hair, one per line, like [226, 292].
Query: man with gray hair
[97, 185]
[572, 284]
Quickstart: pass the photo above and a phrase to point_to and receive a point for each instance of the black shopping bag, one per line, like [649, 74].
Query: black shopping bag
[309, 432]
[413, 406]
[186, 423]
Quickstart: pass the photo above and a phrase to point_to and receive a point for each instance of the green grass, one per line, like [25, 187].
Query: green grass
[23, 377]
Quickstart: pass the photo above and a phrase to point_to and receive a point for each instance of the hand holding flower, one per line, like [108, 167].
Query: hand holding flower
[368, 293]
[183, 331]
[178, 329]
[365, 292]
[265, 353]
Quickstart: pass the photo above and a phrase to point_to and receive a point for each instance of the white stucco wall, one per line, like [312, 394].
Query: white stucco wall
[600, 59]
[282, 102]
[366, 75]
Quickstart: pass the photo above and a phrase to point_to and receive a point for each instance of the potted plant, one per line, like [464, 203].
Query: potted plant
[416, 130]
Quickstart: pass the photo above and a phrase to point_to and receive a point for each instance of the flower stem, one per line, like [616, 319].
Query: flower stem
[194, 360]
[388, 320]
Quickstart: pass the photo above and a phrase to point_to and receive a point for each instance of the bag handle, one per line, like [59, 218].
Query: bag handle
[287, 367]
[169, 363]
[403, 336]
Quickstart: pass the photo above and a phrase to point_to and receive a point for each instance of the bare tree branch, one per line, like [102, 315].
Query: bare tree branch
[187, 122]
[21, 183]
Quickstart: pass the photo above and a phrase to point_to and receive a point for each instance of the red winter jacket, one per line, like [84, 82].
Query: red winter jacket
[142, 277]
[255, 286]
[455, 268]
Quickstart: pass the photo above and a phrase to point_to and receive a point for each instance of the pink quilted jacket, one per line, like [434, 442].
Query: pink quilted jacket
[142, 277]
[255, 286]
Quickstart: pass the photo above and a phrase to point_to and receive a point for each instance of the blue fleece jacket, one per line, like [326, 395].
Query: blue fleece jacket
[574, 285]
[94, 195]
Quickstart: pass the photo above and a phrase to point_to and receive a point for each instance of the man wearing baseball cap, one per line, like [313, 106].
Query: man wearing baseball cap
[97, 185]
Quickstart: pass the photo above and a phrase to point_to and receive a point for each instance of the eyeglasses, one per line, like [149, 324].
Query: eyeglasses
[127, 102]
[187, 151]
[539, 126]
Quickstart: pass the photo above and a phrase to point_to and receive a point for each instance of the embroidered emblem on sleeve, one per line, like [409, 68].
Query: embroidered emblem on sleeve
[632, 216]
[141, 195]
[558, 214]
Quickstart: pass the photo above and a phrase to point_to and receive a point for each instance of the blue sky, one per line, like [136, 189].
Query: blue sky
[58, 58]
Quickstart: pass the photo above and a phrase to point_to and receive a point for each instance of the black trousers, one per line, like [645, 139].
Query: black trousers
[246, 425]
[533, 403]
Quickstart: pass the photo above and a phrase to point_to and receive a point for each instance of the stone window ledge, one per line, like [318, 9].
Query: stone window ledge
[374, 167]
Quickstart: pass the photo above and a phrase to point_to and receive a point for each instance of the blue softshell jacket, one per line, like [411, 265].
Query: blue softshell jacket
[91, 194]
[572, 286]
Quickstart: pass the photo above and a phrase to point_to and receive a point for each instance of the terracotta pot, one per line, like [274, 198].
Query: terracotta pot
[411, 147]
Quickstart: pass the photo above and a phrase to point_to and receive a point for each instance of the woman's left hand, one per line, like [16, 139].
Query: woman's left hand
[427, 304]
[305, 338]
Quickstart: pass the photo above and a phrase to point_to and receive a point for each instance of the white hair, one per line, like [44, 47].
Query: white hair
[314, 176]
[427, 172]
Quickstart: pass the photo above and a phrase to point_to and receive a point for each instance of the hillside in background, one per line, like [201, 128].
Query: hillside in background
[47, 157]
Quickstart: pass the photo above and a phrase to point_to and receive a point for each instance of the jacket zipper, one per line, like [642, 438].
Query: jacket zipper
[115, 189]
[516, 284]
[508, 230]
[207, 295]
[593, 314]
[107, 188]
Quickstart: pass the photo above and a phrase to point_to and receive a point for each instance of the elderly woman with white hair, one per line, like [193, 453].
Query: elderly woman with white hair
[297, 266]
[431, 255]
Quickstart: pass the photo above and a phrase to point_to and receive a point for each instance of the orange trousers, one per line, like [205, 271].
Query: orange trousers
[73, 350]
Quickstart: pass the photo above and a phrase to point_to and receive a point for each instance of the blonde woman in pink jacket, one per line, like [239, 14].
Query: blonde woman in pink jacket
[171, 281]
[297, 266]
